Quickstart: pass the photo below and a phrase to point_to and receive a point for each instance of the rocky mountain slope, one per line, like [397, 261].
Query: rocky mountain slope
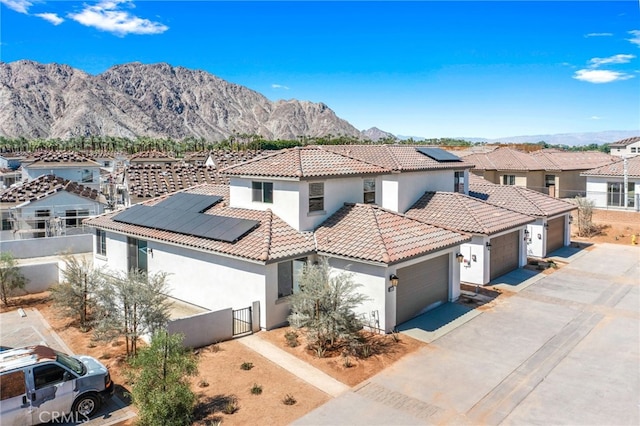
[130, 100]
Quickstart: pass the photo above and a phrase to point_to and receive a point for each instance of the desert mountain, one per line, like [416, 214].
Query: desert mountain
[58, 101]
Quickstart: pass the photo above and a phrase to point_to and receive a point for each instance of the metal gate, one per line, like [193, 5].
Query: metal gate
[242, 321]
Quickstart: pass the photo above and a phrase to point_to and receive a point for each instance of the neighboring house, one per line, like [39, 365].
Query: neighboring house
[629, 147]
[289, 207]
[64, 164]
[11, 161]
[9, 177]
[549, 171]
[499, 239]
[200, 159]
[606, 185]
[151, 158]
[47, 206]
[552, 227]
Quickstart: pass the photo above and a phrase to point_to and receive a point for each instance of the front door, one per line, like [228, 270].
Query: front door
[52, 395]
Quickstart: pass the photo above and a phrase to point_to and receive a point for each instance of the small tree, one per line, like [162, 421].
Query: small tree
[75, 295]
[11, 278]
[161, 390]
[586, 227]
[325, 305]
[131, 305]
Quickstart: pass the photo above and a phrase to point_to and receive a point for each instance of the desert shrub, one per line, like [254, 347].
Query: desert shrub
[246, 366]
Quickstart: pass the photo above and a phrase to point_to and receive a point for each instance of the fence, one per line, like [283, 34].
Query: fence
[42, 247]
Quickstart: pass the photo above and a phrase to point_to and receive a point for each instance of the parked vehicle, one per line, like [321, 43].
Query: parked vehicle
[39, 384]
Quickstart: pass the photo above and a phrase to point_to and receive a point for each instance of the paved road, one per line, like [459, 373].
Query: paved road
[564, 350]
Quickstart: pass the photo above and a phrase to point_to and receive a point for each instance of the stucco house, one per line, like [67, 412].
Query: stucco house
[629, 147]
[47, 206]
[288, 207]
[552, 227]
[67, 165]
[551, 171]
[606, 185]
[499, 235]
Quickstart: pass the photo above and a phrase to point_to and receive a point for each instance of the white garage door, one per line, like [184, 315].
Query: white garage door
[504, 254]
[555, 234]
[420, 286]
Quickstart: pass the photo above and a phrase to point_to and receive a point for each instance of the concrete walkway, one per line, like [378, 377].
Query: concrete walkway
[299, 368]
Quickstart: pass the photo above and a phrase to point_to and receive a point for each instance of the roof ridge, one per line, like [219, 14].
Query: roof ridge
[266, 250]
[383, 248]
[393, 157]
[470, 211]
[527, 196]
[351, 157]
[299, 171]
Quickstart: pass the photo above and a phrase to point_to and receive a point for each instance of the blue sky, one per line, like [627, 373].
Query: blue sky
[431, 69]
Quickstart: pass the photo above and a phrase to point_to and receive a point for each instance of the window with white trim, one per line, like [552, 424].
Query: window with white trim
[508, 179]
[316, 196]
[458, 182]
[289, 274]
[369, 191]
[101, 242]
[262, 192]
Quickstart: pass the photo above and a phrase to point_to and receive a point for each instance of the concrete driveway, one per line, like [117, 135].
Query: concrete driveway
[26, 328]
[563, 350]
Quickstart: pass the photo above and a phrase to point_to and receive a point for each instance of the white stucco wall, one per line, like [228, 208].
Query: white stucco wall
[597, 190]
[73, 174]
[536, 244]
[400, 191]
[474, 269]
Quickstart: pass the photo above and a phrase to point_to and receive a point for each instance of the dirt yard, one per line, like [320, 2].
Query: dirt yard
[221, 383]
[612, 226]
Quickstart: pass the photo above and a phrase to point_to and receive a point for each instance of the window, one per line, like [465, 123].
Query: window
[289, 276]
[262, 192]
[369, 189]
[633, 149]
[87, 176]
[49, 374]
[6, 222]
[74, 217]
[458, 182]
[508, 179]
[107, 163]
[12, 385]
[615, 194]
[316, 197]
[136, 255]
[101, 242]
[549, 180]
[42, 222]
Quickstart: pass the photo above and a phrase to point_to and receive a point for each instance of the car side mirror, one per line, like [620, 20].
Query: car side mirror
[67, 376]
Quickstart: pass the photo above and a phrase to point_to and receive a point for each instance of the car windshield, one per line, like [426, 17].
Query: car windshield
[71, 363]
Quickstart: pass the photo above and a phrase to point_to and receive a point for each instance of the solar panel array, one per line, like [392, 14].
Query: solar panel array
[184, 217]
[183, 201]
[438, 154]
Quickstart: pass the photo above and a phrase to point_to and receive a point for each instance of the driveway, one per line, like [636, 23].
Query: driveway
[26, 328]
[563, 350]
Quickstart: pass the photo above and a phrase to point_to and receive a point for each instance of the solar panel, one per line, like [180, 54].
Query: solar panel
[220, 228]
[186, 202]
[438, 154]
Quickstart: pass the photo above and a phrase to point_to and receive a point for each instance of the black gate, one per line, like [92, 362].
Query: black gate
[242, 321]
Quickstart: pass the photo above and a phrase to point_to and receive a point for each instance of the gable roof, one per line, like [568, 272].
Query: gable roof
[617, 169]
[625, 142]
[504, 159]
[398, 158]
[371, 233]
[44, 186]
[304, 162]
[57, 159]
[465, 213]
[522, 200]
[558, 160]
[271, 240]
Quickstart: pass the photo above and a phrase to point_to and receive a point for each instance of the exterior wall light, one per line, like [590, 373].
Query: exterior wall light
[526, 235]
[488, 244]
[393, 278]
[570, 219]
[460, 257]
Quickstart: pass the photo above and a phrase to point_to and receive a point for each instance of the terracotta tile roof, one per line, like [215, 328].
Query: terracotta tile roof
[478, 180]
[464, 213]
[150, 156]
[625, 142]
[304, 162]
[402, 158]
[368, 232]
[223, 157]
[48, 159]
[271, 240]
[44, 186]
[617, 169]
[522, 200]
[504, 159]
[572, 160]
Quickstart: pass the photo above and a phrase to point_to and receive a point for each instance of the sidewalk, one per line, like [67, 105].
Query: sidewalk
[299, 368]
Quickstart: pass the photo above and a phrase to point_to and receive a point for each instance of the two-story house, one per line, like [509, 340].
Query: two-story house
[64, 164]
[629, 147]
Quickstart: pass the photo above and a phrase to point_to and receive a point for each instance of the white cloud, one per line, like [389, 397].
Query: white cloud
[279, 86]
[21, 6]
[51, 17]
[600, 76]
[595, 117]
[615, 59]
[106, 16]
[635, 37]
[598, 35]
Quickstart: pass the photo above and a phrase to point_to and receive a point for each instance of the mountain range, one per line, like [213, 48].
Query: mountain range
[161, 101]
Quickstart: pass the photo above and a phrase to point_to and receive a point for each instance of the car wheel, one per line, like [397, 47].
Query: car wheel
[86, 405]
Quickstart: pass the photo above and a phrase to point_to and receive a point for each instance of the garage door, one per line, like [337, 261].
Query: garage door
[504, 254]
[421, 285]
[555, 234]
